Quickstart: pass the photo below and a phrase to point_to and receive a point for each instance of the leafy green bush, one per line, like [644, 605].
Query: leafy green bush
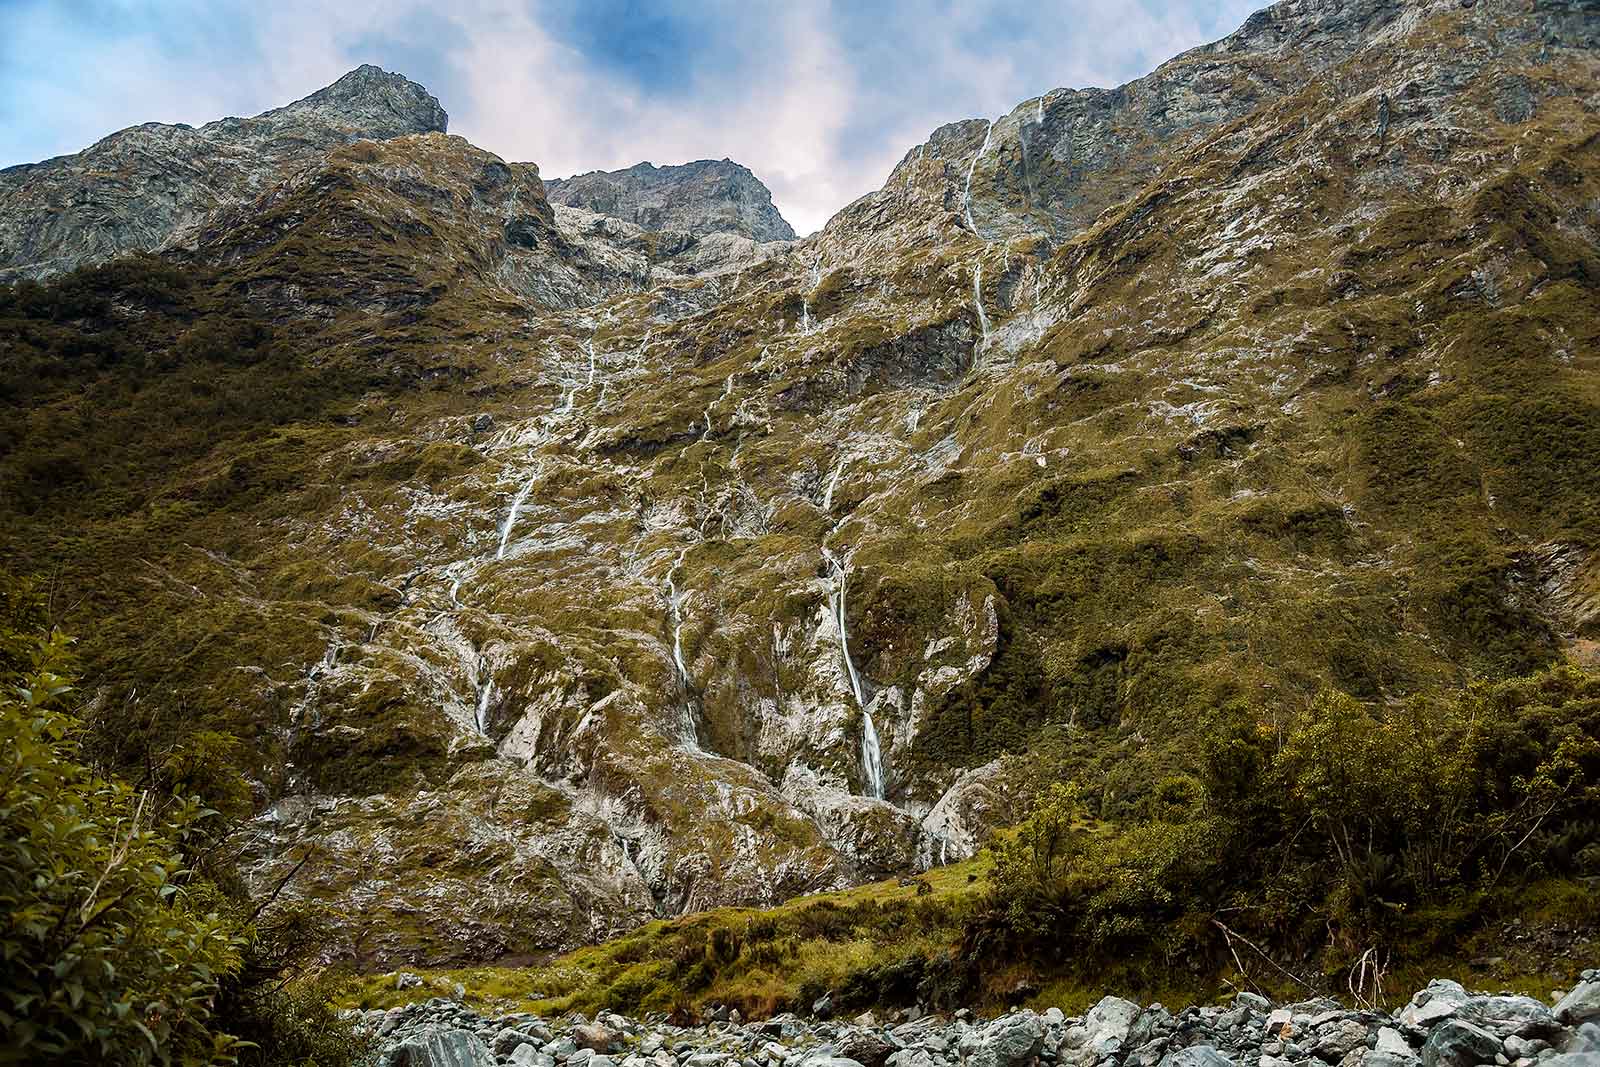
[110, 949]
[1328, 834]
[118, 945]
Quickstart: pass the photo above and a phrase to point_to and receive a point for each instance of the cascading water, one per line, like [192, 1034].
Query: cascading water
[871, 755]
[977, 303]
[590, 346]
[511, 517]
[688, 735]
[838, 605]
[833, 482]
[966, 192]
[871, 750]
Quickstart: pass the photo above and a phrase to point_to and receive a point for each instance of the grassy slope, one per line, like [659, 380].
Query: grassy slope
[871, 946]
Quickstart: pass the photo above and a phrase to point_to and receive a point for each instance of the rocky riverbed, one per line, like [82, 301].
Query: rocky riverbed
[1443, 1025]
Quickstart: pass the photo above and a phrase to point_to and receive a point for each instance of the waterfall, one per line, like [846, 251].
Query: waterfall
[806, 325]
[966, 192]
[511, 517]
[944, 846]
[838, 605]
[590, 346]
[977, 303]
[1041, 111]
[871, 755]
[688, 735]
[833, 482]
[871, 751]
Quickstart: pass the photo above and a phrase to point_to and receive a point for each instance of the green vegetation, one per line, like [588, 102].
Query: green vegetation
[1276, 861]
[1297, 845]
[889, 942]
[125, 939]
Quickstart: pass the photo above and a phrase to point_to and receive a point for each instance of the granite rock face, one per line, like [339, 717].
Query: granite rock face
[152, 186]
[704, 197]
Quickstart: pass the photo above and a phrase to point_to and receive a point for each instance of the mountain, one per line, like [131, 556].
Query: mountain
[558, 570]
[151, 186]
[708, 196]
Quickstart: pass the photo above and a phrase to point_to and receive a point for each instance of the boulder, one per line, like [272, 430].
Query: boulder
[1504, 1016]
[1108, 1023]
[1196, 1056]
[1580, 1006]
[822, 1007]
[1392, 1042]
[1458, 1043]
[1338, 1039]
[443, 1048]
[594, 1036]
[1010, 1041]
[1442, 999]
[865, 1047]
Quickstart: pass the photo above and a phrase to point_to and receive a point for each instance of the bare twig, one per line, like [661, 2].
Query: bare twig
[1231, 934]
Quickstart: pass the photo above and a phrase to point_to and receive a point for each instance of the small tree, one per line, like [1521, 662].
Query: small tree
[109, 952]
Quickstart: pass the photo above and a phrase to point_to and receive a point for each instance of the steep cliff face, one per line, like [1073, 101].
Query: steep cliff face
[707, 196]
[567, 575]
[151, 186]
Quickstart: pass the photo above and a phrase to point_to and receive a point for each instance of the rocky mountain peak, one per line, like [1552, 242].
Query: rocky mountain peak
[373, 101]
[703, 197]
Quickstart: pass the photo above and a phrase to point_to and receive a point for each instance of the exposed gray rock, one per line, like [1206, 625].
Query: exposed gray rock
[1458, 1043]
[1581, 1005]
[1440, 1000]
[1504, 1016]
[865, 1047]
[149, 186]
[704, 197]
[1197, 1056]
[442, 1048]
[1010, 1041]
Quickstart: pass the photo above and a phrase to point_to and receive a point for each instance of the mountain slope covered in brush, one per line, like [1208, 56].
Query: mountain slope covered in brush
[559, 570]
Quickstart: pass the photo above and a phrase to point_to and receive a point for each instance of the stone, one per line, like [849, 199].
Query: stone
[1280, 1022]
[1392, 1042]
[1254, 1001]
[507, 1039]
[1109, 1021]
[865, 1047]
[524, 1055]
[1010, 1041]
[1197, 1056]
[561, 1047]
[1458, 1043]
[1440, 1000]
[822, 1007]
[1339, 1039]
[443, 1048]
[1581, 1005]
[1504, 1016]
[594, 1036]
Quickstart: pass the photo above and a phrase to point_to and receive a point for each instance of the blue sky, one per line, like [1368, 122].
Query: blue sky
[819, 99]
